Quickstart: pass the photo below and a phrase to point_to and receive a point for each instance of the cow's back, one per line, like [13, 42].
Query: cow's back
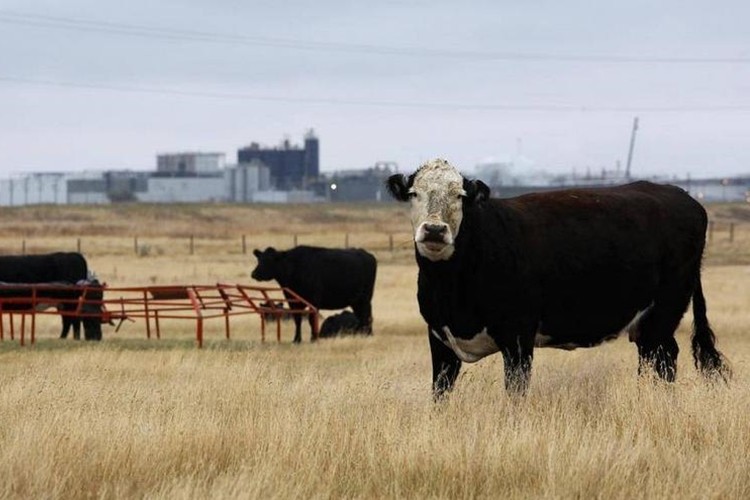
[331, 278]
[587, 260]
[636, 222]
[59, 266]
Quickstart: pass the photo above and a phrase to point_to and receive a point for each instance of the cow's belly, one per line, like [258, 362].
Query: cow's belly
[588, 331]
[467, 349]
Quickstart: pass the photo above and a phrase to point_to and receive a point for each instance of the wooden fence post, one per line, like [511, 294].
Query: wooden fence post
[710, 231]
[390, 242]
[346, 240]
[23, 247]
[295, 239]
[244, 245]
[135, 245]
[731, 232]
[192, 245]
[78, 245]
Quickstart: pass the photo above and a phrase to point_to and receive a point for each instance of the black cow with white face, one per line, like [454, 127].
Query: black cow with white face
[563, 269]
[328, 278]
[62, 269]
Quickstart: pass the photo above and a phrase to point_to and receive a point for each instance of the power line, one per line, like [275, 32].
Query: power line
[453, 106]
[56, 22]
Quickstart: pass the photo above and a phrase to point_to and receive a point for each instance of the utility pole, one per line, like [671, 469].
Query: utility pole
[630, 151]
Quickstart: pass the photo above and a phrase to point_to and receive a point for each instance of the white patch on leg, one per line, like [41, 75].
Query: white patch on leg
[541, 340]
[632, 327]
[469, 350]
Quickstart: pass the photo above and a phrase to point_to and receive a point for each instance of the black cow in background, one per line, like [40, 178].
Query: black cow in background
[57, 294]
[61, 268]
[327, 278]
[92, 300]
[342, 322]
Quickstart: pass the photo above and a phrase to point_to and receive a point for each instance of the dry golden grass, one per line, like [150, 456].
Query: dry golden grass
[353, 417]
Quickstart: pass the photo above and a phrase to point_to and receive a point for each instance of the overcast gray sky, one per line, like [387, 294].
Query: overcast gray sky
[90, 84]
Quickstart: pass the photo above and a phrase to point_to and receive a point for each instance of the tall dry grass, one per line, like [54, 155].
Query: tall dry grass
[353, 417]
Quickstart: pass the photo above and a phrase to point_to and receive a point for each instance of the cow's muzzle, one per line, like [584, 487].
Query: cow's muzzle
[434, 233]
[434, 240]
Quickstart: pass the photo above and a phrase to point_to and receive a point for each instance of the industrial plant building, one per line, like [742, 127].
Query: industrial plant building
[284, 174]
[291, 173]
[291, 167]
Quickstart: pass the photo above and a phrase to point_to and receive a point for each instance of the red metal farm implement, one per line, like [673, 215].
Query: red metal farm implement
[155, 303]
[27, 299]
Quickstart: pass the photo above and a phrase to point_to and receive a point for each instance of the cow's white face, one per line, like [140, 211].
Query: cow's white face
[436, 209]
[436, 192]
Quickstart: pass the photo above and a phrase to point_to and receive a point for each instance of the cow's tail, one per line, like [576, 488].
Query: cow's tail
[708, 360]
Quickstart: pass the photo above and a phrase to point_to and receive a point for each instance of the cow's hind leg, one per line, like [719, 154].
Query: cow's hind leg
[311, 320]
[657, 347]
[297, 329]
[65, 327]
[76, 328]
[295, 307]
[660, 356]
[363, 312]
[68, 323]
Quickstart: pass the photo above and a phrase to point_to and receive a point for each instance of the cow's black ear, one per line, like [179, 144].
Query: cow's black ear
[397, 186]
[257, 252]
[476, 191]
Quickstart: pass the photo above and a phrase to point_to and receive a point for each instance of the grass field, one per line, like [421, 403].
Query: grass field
[349, 417]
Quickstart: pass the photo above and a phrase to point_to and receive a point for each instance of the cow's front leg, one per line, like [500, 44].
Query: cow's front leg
[445, 366]
[518, 353]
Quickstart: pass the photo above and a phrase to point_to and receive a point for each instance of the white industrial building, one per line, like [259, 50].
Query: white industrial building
[190, 163]
[33, 189]
[53, 188]
[244, 181]
[179, 178]
[184, 190]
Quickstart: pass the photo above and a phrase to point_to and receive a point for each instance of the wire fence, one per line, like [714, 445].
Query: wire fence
[147, 246]
[719, 233]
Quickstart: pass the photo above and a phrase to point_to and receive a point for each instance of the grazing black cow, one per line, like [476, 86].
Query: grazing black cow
[344, 321]
[327, 278]
[563, 269]
[92, 304]
[59, 267]
[18, 297]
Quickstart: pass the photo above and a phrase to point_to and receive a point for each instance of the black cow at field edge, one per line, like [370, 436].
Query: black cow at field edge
[92, 304]
[64, 296]
[327, 278]
[59, 267]
[563, 269]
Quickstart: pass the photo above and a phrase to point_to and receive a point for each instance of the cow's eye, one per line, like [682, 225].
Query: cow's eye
[412, 194]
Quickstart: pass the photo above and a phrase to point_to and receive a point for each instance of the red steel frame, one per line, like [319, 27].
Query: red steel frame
[194, 302]
[33, 299]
